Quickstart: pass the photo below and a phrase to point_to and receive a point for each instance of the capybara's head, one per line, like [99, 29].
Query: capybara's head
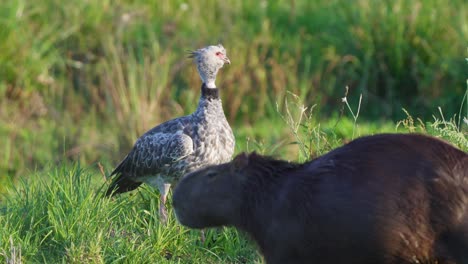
[211, 196]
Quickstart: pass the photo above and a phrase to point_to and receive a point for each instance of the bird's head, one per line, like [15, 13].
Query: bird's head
[209, 60]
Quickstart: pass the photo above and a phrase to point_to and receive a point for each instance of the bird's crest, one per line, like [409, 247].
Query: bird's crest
[192, 53]
[195, 53]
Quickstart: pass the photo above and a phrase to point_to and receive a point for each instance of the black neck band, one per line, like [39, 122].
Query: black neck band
[209, 93]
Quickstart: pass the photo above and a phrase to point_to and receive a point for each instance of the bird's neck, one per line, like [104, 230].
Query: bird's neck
[210, 106]
[210, 84]
[207, 74]
[209, 93]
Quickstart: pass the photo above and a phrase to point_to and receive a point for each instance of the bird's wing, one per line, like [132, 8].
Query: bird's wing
[153, 152]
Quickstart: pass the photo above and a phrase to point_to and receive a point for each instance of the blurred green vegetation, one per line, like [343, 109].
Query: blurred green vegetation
[81, 80]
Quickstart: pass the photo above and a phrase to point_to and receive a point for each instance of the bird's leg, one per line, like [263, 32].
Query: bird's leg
[164, 190]
[163, 187]
[202, 236]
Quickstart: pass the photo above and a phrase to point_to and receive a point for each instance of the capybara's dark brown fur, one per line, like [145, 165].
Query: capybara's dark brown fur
[390, 198]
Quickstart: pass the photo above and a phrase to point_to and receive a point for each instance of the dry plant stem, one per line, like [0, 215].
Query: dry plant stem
[355, 116]
[294, 122]
[465, 118]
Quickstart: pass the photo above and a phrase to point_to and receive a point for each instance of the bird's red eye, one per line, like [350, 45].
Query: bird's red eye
[218, 53]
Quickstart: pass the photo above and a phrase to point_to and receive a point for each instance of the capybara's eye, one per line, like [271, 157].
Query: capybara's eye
[211, 175]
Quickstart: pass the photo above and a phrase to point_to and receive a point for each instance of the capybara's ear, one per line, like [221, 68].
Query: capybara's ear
[241, 161]
[462, 168]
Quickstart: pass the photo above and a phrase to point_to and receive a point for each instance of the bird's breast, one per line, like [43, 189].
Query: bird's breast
[212, 145]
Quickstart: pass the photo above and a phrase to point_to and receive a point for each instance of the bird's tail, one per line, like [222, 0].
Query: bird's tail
[121, 184]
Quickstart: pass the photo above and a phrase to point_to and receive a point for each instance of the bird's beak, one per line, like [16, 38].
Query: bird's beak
[226, 60]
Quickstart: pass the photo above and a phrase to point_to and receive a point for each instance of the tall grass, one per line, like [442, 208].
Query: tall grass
[80, 81]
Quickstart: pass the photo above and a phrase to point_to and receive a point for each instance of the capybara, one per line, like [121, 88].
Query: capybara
[388, 198]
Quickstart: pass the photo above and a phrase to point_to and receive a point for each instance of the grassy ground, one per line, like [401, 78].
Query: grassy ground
[59, 218]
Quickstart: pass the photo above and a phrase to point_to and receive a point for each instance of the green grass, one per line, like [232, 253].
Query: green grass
[59, 217]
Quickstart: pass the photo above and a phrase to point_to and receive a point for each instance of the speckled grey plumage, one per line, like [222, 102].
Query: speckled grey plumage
[170, 150]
